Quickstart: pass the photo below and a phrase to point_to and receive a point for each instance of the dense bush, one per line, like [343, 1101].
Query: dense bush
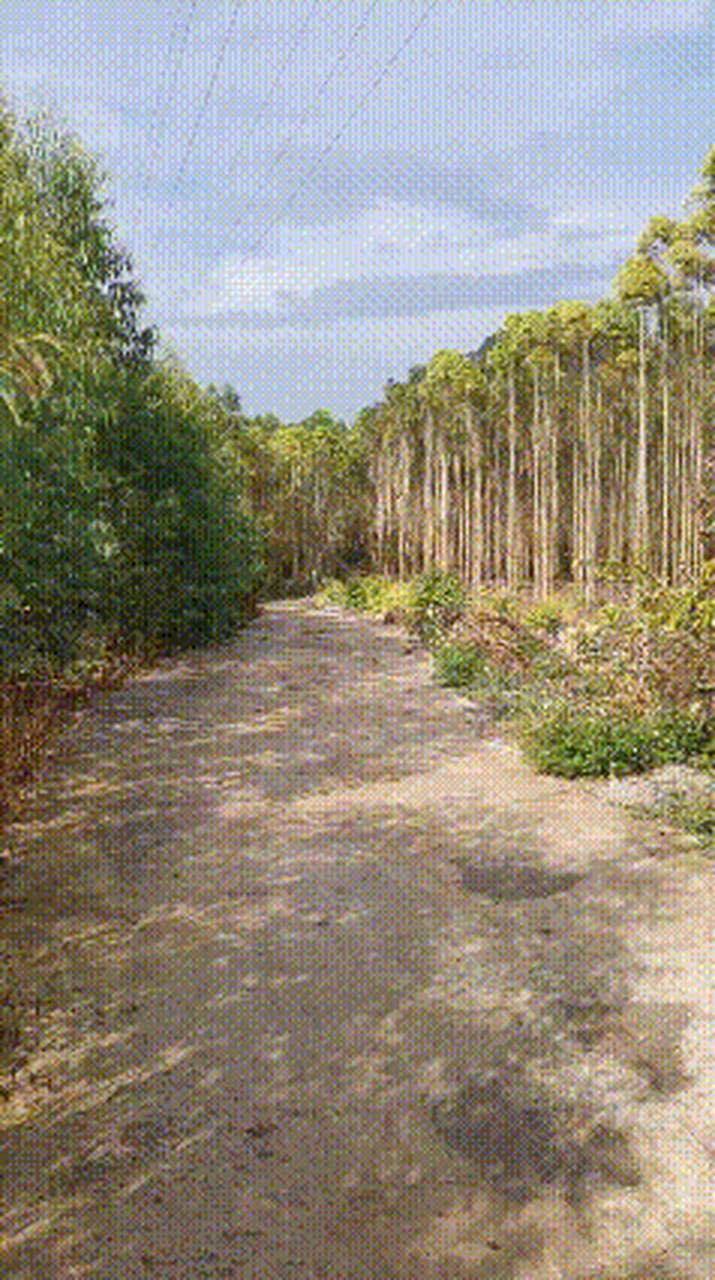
[598, 743]
[459, 666]
[438, 600]
[370, 593]
[121, 526]
[122, 529]
[366, 592]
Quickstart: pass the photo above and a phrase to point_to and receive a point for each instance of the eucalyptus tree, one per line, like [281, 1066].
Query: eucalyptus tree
[504, 363]
[642, 284]
[400, 459]
[693, 258]
[117, 517]
[540, 362]
[447, 391]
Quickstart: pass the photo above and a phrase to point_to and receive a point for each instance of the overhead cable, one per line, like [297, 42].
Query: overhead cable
[374, 84]
[213, 80]
[179, 35]
[308, 110]
[278, 78]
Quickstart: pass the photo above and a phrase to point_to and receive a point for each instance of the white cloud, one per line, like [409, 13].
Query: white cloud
[514, 136]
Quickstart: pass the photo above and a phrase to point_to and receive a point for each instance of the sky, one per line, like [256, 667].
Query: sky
[319, 194]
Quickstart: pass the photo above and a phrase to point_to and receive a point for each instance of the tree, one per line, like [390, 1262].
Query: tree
[642, 284]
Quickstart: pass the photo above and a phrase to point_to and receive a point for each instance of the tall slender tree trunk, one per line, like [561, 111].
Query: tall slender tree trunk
[540, 530]
[641, 531]
[403, 508]
[428, 529]
[666, 495]
[622, 488]
[697, 552]
[476, 523]
[512, 548]
[443, 532]
[592, 471]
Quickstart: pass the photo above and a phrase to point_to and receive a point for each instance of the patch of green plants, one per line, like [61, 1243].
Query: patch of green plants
[368, 593]
[371, 593]
[498, 602]
[459, 666]
[438, 600]
[602, 743]
[546, 618]
[333, 591]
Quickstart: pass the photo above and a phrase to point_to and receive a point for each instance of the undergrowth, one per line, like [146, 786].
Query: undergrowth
[600, 743]
[599, 691]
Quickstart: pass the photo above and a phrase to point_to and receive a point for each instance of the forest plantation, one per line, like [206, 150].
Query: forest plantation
[142, 514]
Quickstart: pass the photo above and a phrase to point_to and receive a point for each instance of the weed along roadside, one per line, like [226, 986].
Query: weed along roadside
[379, 1004]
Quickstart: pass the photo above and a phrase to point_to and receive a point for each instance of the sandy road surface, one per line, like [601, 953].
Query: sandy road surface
[338, 990]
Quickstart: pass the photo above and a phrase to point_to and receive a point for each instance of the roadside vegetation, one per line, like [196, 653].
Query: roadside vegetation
[123, 532]
[542, 513]
[589, 691]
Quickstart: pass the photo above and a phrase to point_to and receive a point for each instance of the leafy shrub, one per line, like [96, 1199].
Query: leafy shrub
[600, 743]
[333, 592]
[545, 617]
[497, 602]
[438, 600]
[458, 666]
[688, 608]
[372, 593]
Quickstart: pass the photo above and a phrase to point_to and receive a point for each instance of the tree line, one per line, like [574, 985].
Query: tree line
[140, 512]
[576, 439]
[122, 526]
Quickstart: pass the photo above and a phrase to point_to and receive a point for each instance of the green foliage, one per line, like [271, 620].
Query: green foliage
[121, 523]
[305, 485]
[608, 693]
[459, 666]
[600, 743]
[369, 593]
[640, 281]
[438, 600]
[333, 591]
[545, 617]
[689, 607]
[185, 562]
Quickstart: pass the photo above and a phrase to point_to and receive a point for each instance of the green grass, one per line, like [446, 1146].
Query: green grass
[694, 814]
[603, 743]
[459, 667]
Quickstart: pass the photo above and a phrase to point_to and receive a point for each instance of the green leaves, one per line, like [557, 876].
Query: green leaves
[641, 281]
[119, 524]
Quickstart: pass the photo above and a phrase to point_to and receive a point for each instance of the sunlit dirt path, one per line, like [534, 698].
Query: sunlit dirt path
[339, 990]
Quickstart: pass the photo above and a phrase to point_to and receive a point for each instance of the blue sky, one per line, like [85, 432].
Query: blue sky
[509, 160]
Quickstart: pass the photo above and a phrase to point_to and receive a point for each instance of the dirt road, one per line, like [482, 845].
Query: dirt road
[336, 989]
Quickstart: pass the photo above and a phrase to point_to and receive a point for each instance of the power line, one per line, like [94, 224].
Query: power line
[372, 87]
[179, 35]
[277, 80]
[307, 111]
[198, 118]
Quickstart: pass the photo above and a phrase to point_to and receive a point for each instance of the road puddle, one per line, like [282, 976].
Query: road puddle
[510, 882]
[521, 1148]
